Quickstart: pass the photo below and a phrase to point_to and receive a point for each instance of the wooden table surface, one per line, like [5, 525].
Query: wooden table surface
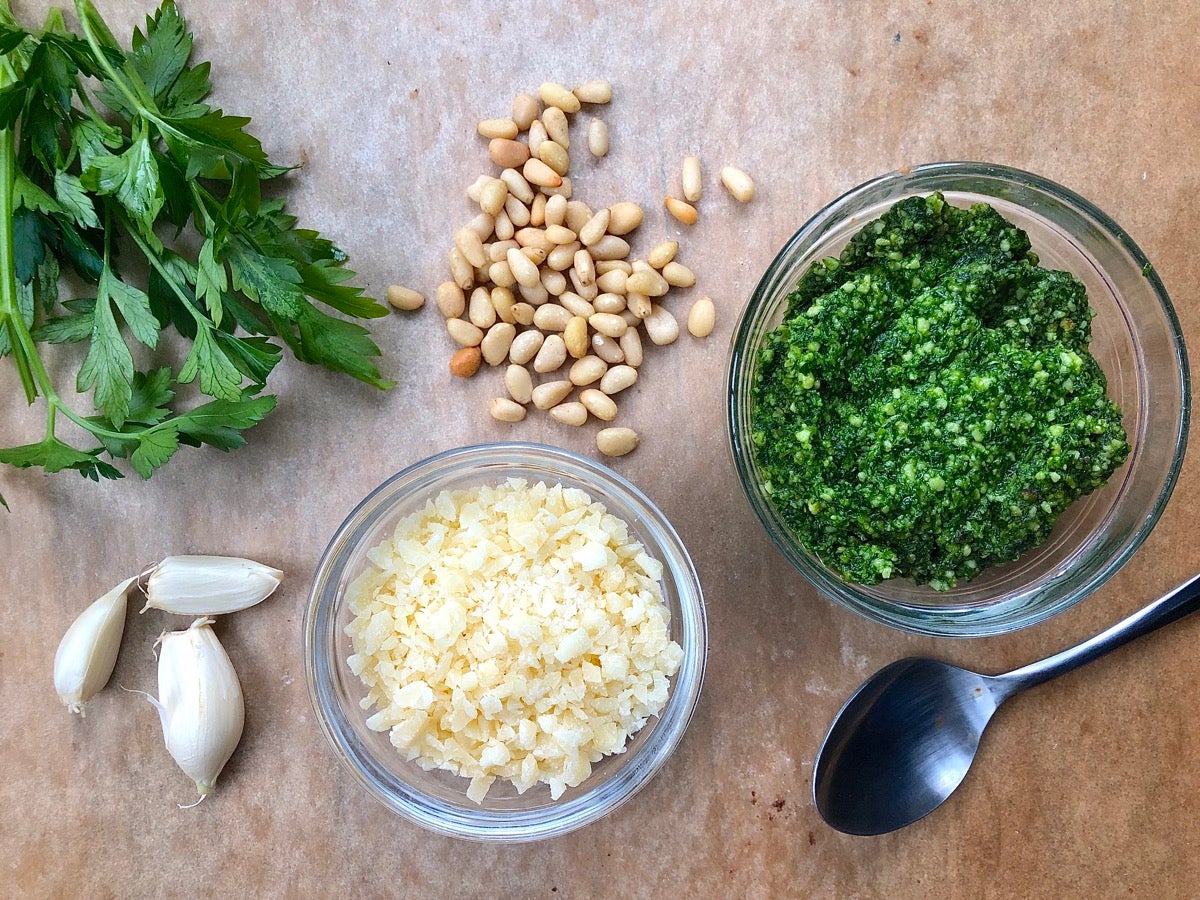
[1085, 788]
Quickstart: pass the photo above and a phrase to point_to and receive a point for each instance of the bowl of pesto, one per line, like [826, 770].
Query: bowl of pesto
[959, 399]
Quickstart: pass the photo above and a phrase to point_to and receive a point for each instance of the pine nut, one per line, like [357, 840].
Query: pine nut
[618, 378]
[450, 299]
[558, 235]
[574, 414]
[562, 257]
[575, 336]
[662, 254]
[507, 154]
[523, 268]
[480, 311]
[461, 271]
[556, 211]
[463, 332]
[465, 362]
[404, 298]
[599, 404]
[586, 291]
[609, 247]
[553, 154]
[576, 305]
[517, 186]
[738, 183]
[471, 246]
[537, 134]
[530, 238]
[609, 303]
[630, 319]
[505, 410]
[503, 302]
[525, 346]
[554, 94]
[555, 283]
[552, 355]
[536, 295]
[537, 211]
[551, 393]
[563, 190]
[525, 109]
[497, 128]
[483, 225]
[607, 349]
[597, 91]
[584, 267]
[517, 212]
[504, 226]
[649, 283]
[597, 138]
[692, 187]
[594, 228]
[678, 275]
[638, 304]
[587, 370]
[612, 282]
[631, 346]
[551, 317]
[684, 212]
[476, 186]
[523, 313]
[499, 250]
[702, 318]
[555, 122]
[496, 343]
[624, 217]
[616, 441]
[500, 274]
[610, 265]
[519, 384]
[537, 172]
[578, 214]
[607, 323]
[661, 326]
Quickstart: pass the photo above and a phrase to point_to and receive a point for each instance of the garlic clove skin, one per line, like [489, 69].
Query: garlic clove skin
[209, 585]
[199, 702]
[87, 653]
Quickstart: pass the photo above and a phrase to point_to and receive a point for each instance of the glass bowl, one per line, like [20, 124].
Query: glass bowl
[436, 799]
[1136, 339]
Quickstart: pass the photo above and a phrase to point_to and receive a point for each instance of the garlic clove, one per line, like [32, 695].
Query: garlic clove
[199, 702]
[87, 653]
[209, 585]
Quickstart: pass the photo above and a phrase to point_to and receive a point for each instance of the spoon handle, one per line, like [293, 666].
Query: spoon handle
[1173, 605]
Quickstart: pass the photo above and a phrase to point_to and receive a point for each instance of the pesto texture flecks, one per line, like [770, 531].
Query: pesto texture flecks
[928, 406]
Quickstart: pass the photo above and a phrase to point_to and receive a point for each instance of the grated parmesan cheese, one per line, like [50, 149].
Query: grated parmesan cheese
[513, 632]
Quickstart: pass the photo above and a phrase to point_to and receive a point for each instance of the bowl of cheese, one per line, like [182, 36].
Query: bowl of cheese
[505, 642]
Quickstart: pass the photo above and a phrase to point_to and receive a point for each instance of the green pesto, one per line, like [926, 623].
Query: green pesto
[928, 406]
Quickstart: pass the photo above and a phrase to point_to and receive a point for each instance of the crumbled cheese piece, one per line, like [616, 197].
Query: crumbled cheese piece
[511, 631]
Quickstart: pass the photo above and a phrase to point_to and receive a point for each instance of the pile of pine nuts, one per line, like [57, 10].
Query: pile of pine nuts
[542, 282]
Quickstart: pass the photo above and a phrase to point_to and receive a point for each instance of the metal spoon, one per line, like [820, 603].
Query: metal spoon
[906, 738]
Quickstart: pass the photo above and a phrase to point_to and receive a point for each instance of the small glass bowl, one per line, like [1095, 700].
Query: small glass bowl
[1136, 339]
[436, 799]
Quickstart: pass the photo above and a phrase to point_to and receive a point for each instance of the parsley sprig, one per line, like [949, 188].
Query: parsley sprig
[111, 163]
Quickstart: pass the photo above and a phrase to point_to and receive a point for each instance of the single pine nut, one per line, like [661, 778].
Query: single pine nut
[537, 134]
[609, 303]
[594, 228]
[555, 283]
[630, 319]
[467, 240]
[523, 268]
[499, 249]
[586, 291]
[404, 298]
[575, 336]
[461, 271]
[578, 214]
[525, 109]
[585, 371]
[584, 267]
[503, 302]
[476, 187]
[563, 190]
[692, 187]
[662, 254]
[531, 237]
[558, 235]
[517, 212]
[607, 349]
[507, 154]
[500, 274]
[519, 384]
[609, 265]
[537, 172]
[536, 295]
[517, 185]
[492, 195]
[599, 404]
[618, 378]
[525, 346]
[609, 247]
[597, 91]
[648, 282]
[569, 413]
[607, 323]
[551, 317]
[702, 318]
[616, 441]
[505, 410]
[483, 225]
[556, 210]
[464, 333]
[450, 299]
[537, 255]
[480, 311]
[612, 282]
[631, 346]
[523, 313]
[555, 122]
[684, 212]
[496, 343]
[638, 305]
[562, 257]
[552, 355]
[678, 275]
[553, 154]
[537, 211]
[738, 183]
[498, 128]
[465, 362]
[624, 217]
[504, 226]
[554, 94]
[576, 305]
[597, 137]
[661, 326]
[551, 393]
